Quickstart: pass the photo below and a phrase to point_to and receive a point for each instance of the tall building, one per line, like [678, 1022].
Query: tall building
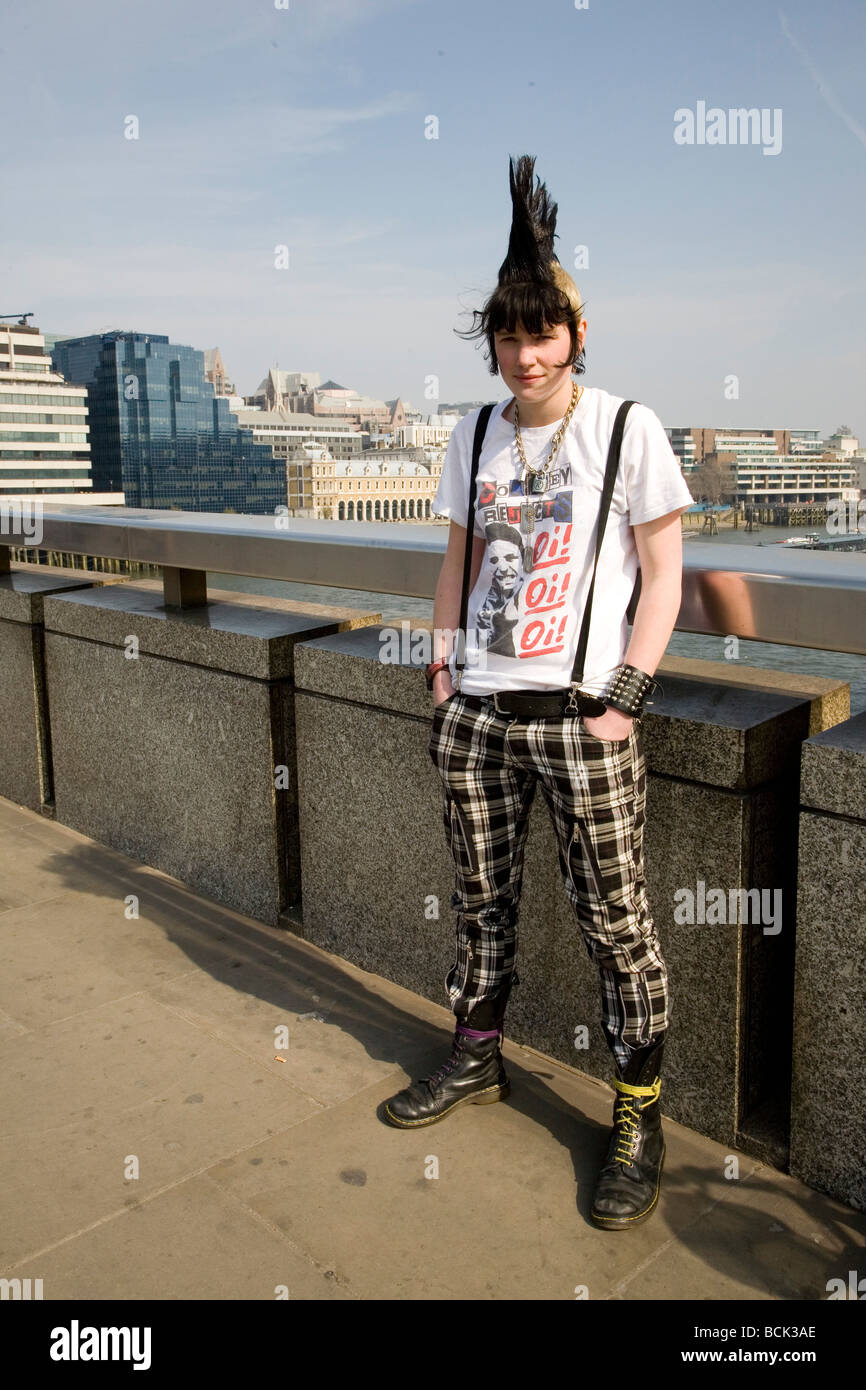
[366, 412]
[304, 392]
[433, 431]
[44, 446]
[285, 390]
[297, 439]
[289, 432]
[158, 431]
[844, 443]
[693, 444]
[52, 338]
[807, 442]
[768, 466]
[685, 446]
[215, 373]
[778, 478]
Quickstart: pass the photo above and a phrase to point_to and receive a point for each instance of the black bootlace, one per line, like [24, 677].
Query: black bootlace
[442, 1072]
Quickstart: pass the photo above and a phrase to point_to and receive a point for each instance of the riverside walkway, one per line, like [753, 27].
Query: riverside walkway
[191, 1109]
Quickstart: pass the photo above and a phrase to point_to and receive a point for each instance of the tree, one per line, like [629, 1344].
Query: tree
[713, 481]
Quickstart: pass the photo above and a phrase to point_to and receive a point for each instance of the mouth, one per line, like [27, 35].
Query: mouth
[528, 378]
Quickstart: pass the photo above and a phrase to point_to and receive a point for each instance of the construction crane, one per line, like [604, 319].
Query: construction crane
[22, 318]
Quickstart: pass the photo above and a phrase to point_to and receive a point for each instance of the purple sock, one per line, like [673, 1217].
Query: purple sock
[476, 1032]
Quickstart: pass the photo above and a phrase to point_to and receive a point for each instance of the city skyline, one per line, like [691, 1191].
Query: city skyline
[305, 128]
[378, 395]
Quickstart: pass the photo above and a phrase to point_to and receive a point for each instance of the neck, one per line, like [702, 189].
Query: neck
[535, 414]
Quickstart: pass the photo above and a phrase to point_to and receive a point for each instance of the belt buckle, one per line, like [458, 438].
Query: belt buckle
[495, 697]
[592, 705]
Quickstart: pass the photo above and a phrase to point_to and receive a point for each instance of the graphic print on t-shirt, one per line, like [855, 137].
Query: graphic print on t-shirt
[525, 615]
[533, 617]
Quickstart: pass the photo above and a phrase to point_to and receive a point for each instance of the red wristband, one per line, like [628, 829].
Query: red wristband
[433, 669]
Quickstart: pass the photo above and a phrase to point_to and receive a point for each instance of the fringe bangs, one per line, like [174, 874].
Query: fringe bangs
[537, 305]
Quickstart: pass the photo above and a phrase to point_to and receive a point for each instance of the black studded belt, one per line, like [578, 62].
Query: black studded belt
[539, 704]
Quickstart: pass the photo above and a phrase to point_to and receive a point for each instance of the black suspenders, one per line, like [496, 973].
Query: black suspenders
[613, 457]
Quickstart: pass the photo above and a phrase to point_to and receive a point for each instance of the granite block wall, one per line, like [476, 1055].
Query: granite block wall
[173, 734]
[26, 773]
[828, 1098]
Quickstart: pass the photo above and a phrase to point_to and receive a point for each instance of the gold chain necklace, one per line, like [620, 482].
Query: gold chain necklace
[537, 477]
[533, 473]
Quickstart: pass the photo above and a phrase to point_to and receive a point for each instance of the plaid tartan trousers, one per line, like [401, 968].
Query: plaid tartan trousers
[595, 790]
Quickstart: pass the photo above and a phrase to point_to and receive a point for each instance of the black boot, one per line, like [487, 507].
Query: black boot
[474, 1074]
[628, 1185]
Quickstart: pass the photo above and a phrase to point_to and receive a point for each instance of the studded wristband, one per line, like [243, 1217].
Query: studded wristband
[627, 689]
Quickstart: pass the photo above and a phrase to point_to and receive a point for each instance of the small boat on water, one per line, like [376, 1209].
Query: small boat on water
[807, 540]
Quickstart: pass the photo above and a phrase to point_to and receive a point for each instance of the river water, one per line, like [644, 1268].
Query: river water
[840, 665]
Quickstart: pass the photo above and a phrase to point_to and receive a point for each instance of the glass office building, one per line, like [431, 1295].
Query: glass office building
[158, 432]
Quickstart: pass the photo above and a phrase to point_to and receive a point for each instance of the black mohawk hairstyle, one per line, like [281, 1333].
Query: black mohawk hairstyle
[534, 288]
[533, 226]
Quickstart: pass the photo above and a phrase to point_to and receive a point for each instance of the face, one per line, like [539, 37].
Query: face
[505, 559]
[528, 363]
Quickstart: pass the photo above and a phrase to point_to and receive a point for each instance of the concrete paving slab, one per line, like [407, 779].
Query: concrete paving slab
[25, 873]
[127, 1079]
[9, 1026]
[23, 820]
[79, 950]
[226, 1253]
[39, 984]
[323, 1058]
[771, 1238]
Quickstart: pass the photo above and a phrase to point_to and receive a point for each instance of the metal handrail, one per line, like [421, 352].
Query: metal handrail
[800, 598]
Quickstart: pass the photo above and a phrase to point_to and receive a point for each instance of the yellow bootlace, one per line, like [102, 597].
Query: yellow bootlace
[627, 1116]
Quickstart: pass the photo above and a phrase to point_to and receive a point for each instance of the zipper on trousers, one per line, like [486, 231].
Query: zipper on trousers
[582, 838]
[464, 840]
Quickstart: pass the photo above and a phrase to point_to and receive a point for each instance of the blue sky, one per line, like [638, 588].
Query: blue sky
[305, 127]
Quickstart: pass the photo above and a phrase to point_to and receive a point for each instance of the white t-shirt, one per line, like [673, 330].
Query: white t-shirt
[522, 629]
